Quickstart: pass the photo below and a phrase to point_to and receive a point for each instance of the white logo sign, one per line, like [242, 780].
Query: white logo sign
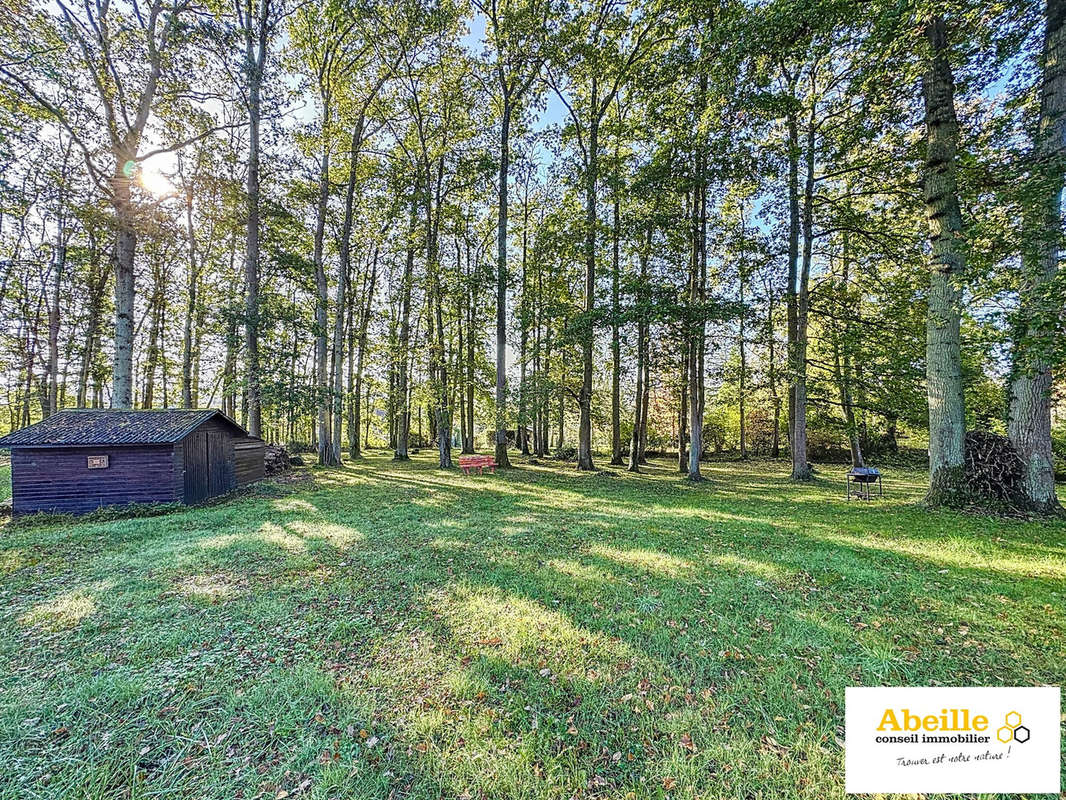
[932, 739]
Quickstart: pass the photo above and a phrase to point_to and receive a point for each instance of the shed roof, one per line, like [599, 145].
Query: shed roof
[92, 427]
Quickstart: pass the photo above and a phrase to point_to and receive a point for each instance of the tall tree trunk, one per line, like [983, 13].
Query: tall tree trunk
[343, 282]
[364, 326]
[943, 348]
[743, 371]
[54, 319]
[501, 288]
[1030, 404]
[842, 361]
[771, 370]
[801, 468]
[645, 402]
[403, 414]
[616, 343]
[523, 341]
[682, 419]
[441, 417]
[323, 384]
[698, 332]
[791, 295]
[642, 328]
[190, 310]
[584, 438]
[256, 39]
[125, 250]
[97, 287]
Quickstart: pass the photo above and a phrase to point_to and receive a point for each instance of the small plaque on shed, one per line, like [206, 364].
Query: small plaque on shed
[97, 462]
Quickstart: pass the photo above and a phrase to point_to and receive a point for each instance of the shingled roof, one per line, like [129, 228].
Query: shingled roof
[93, 427]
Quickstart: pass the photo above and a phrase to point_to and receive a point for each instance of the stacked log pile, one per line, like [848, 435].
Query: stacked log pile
[994, 469]
[276, 459]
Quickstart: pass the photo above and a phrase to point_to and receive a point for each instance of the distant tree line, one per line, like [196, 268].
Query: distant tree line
[616, 228]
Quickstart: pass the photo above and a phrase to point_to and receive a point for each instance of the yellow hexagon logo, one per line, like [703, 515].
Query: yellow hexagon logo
[1005, 735]
[1014, 719]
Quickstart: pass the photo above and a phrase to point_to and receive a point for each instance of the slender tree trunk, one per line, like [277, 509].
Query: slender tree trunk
[743, 373]
[403, 414]
[190, 311]
[1029, 427]
[501, 289]
[584, 439]
[842, 362]
[255, 43]
[645, 402]
[698, 334]
[801, 468]
[616, 344]
[682, 420]
[323, 385]
[791, 293]
[523, 327]
[943, 348]
[54, 319]
[771, 370]
[642, 325]
[364, 326]
[97, 288]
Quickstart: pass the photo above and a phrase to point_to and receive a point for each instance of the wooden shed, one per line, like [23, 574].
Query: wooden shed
[78, 460]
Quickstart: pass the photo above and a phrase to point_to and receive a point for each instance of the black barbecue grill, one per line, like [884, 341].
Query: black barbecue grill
[861, 482]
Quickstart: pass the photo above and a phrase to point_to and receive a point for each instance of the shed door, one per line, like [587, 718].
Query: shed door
[197, 470]
[216, 456]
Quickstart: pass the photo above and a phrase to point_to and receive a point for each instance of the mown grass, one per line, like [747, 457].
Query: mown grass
[391, 630]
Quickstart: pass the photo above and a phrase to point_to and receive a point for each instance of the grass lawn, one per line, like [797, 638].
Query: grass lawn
[396, 631]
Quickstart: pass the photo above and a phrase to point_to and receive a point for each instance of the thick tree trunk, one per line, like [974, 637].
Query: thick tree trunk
[1030, 403]
[125, 250]
[943, 348]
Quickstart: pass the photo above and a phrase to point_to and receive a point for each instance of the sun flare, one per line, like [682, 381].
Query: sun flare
[155, 181]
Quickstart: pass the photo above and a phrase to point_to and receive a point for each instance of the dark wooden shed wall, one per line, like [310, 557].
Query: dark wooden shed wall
[59, 480]
[249, 460]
